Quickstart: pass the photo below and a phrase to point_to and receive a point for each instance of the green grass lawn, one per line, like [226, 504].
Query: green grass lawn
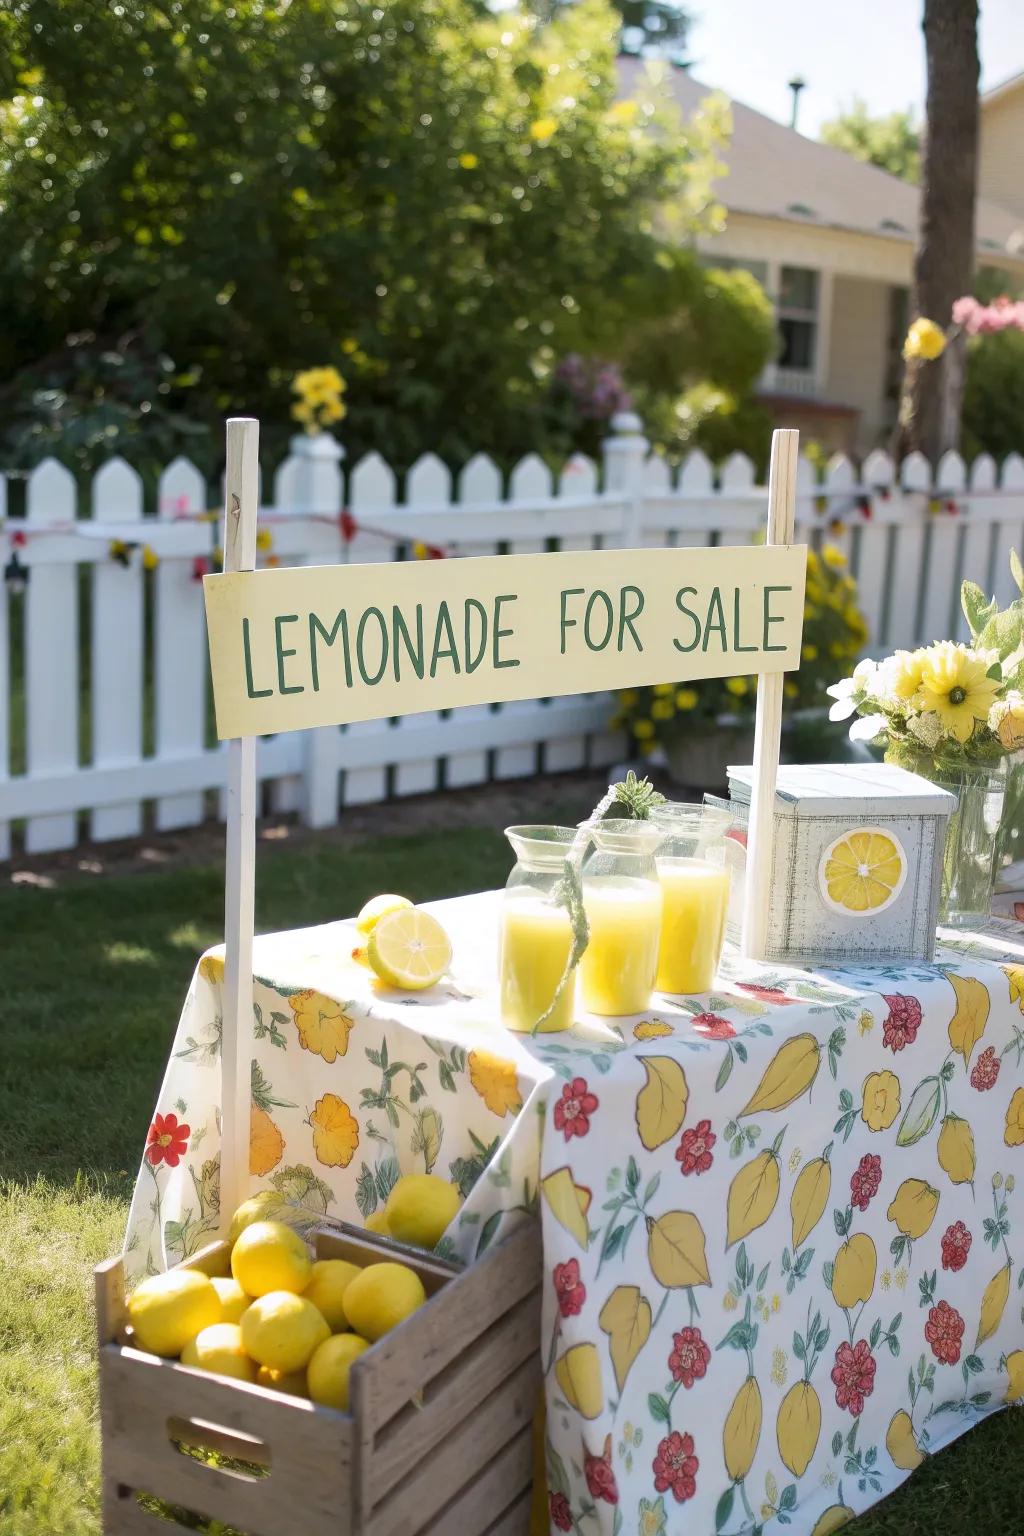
[92, 979]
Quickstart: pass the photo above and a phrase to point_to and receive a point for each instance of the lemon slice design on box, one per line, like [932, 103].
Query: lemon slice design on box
[862, 872]
[409, 949]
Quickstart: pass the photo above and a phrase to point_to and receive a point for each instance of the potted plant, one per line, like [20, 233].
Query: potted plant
[697, 729]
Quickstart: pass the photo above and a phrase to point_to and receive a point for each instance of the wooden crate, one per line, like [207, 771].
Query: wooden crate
[437, 1440]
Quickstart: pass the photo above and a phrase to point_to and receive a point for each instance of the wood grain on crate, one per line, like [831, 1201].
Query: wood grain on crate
[438, 1438]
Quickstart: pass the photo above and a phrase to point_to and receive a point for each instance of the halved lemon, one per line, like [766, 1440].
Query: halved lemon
[862, 871]
[409, 949]
[378, 907]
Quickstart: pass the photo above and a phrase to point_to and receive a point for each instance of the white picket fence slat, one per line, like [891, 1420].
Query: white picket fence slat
[911, 537]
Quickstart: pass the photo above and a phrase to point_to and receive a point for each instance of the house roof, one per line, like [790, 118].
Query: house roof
[775, 172]
[1004, 88]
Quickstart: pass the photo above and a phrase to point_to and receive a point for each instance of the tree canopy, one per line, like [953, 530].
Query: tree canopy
[892, 142]
[198, 198]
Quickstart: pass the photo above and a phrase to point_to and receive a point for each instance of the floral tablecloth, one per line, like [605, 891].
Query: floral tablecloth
[782, 1229]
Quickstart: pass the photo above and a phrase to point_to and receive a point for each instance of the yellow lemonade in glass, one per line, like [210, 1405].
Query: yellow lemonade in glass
[695, 894]
[535, 934]
[536, 938]
[618, 966]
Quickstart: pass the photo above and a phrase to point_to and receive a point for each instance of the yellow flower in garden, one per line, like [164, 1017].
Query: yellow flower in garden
[1015, 976]
[335, 1131]
[543, 128]
[924, 340]
[333, 410]
[662, 709]
[302, 412]
[496, 1082]
[663, 690]
[737, 686]
[211, 968]
[791, 690]
[901, 674]
[628, 697]
[810, 611]
[809, 653]
[643, 728]
[264, 539]
[833, 557]
[687, 698]
[880, 1100]
[322, 1023]
[468, 162]
[150, 558]
[623, 112]
[1014, 1133]
[955, 685]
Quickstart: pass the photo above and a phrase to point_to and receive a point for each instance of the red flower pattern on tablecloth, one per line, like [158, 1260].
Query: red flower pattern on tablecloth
[574, 1108]
[864, 1181]
[774, 995]
[599, 1474]
[853, 1375]
[985, 1070]
[694, 1150]
[569, 1288]
[712, 1026]
[690, 1356]
[956, 1245]
[900, 1028]
[560, 1510]
[675, 1467]
[944, 1331]
[167, 1141]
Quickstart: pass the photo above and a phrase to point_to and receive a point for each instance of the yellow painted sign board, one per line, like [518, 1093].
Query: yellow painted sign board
[325, 645]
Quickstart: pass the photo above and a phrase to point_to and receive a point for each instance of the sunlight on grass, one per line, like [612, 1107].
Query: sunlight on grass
[129, 954]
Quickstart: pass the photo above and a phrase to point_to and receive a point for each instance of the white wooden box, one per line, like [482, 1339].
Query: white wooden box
[817, 807]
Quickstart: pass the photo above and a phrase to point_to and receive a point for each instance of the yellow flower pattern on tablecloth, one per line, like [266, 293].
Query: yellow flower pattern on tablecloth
[783, 1250]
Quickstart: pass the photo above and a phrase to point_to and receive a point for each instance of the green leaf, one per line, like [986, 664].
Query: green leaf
[723, 1508]
[658, 1408]
[921, 1113]
[977, 609]
[488, 1230]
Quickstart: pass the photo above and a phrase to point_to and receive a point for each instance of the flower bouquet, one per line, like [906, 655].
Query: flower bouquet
[954, 714]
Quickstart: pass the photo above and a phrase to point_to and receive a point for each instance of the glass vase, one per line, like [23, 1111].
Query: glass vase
[969, 858]
[622, 899]
[535, 933]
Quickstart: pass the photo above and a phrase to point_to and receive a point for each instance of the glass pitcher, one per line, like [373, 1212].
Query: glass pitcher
[694, 880]
[535, 932]
[622, 898]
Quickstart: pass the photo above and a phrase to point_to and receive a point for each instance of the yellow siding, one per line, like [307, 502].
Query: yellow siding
[1001, 152]
[857, 354]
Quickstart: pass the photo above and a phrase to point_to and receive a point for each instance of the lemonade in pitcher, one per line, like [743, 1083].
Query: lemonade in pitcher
[695, 890]
[623, 902]
[535, 933]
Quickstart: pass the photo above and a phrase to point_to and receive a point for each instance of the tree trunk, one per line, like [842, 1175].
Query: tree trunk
[929, 415]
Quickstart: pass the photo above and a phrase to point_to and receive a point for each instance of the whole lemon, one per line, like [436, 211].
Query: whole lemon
[420, 1208]
[381, 1297]
[269, 1256]
[327, 1372]
[219, 1349]
[377, 1222]
[293, 1383]
[233, 1299]
[326, 1290]
[282, 1330]
[166, 1311]
[253, 1209]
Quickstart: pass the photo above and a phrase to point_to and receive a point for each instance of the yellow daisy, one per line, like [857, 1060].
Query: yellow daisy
[955, 685]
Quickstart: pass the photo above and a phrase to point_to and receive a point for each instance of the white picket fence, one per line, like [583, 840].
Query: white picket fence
[910, 536]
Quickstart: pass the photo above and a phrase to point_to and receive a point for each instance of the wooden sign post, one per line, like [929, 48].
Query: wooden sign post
[293, 649]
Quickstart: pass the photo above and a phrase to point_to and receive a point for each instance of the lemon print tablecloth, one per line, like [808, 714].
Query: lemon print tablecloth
[783, 1222]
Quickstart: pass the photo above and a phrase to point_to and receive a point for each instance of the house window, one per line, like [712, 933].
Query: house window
[797, 310]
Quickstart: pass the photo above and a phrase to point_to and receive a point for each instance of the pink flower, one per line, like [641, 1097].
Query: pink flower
[904, 1020]
[712, 1026]
[569, 1289]
[865, 1181]
[854, 1375]
[956, 1245]
[986, 1070]
[689, 1359]
[561, 1511]
[599, 1474]
[675, 1467]
[574, 1108]
[694, 1150]
[944, 1330]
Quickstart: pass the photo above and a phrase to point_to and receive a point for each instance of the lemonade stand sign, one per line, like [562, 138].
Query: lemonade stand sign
[306, 647]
